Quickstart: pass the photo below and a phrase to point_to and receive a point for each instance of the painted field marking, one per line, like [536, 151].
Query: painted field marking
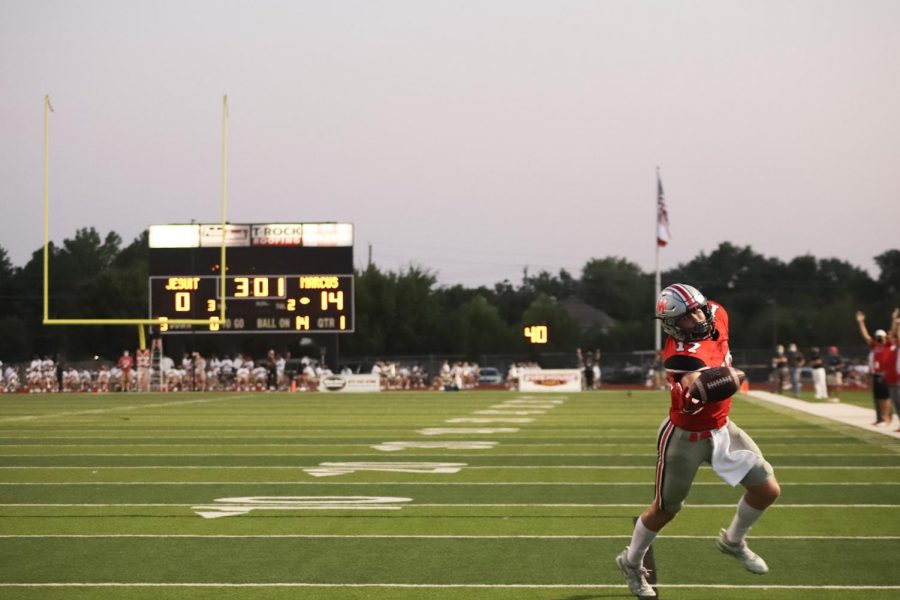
[537, 400]
[466, 430]
[517, 413]
[512, 406]
[487, 420]
[230, 507]
[395, 446]
[329, 469]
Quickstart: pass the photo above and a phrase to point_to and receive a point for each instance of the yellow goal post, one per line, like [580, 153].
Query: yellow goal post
[139, 322]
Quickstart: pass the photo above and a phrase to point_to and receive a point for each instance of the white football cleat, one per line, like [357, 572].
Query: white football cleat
[635, 577]
[751, 561]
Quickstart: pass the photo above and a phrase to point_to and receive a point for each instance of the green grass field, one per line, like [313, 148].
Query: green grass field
[100, 497]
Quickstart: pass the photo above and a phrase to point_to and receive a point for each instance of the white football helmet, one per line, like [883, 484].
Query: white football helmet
[676, 301]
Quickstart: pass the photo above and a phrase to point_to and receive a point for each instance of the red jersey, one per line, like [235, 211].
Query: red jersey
[683, 357]
[125, 362]
[880, 356]
[143, 358]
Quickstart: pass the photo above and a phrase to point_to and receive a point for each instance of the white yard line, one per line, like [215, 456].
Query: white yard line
[536, 586]
[430, 484]
[422, 536]
[388, 463]
[125, 442]
[480, 453]
[453, 505]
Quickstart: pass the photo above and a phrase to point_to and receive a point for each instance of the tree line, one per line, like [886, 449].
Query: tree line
[807, 300]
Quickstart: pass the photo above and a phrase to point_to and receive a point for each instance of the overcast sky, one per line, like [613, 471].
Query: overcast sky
[472, 137]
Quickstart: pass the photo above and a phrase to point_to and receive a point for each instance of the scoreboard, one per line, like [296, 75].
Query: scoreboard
[279, 277]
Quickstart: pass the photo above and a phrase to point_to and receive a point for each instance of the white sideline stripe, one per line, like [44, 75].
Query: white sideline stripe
[537, 586]
[509, 483]
[426, 537]
[457, 505]
[100, 411]
[841, 412]
[481, 467]
[477, 452]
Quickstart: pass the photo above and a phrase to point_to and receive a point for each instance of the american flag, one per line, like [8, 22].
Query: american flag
[662, 215]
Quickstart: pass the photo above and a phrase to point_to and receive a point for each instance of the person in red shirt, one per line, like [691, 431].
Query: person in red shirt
[125, 363]
[695, 433]
[881, 394]
[892, 362]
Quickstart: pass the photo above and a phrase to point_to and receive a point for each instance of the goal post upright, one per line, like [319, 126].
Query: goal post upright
[139, 322]
[224, 201]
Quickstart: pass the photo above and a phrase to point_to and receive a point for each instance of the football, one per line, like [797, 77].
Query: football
[715, 385]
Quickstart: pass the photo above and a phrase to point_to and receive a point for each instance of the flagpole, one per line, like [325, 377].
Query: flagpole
[657, 324]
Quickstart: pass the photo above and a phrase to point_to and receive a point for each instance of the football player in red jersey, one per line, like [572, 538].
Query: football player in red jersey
[695, 433]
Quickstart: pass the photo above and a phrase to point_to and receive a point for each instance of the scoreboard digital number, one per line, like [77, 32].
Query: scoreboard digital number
[280, 278]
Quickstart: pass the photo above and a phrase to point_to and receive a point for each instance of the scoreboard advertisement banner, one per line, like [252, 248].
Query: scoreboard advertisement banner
[280, 277]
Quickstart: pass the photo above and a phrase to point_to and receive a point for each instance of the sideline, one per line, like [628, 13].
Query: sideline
[848, 414]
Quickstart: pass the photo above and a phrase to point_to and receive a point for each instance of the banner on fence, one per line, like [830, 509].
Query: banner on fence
[349, 384]
[550, 380]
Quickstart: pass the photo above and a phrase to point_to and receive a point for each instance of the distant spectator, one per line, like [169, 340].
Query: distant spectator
[512, 376]
[817, 364]
[280, 364]
[60, 374]
[588, 370]
[780, 370]
[892, 358]
[199, 378]
[271, 370]
[103, 378]
[834, 374]
[187, 365]
[142, 362]
[125, 363]
[796, 360]
[242, 374]
[879, 347]
[11, 379]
